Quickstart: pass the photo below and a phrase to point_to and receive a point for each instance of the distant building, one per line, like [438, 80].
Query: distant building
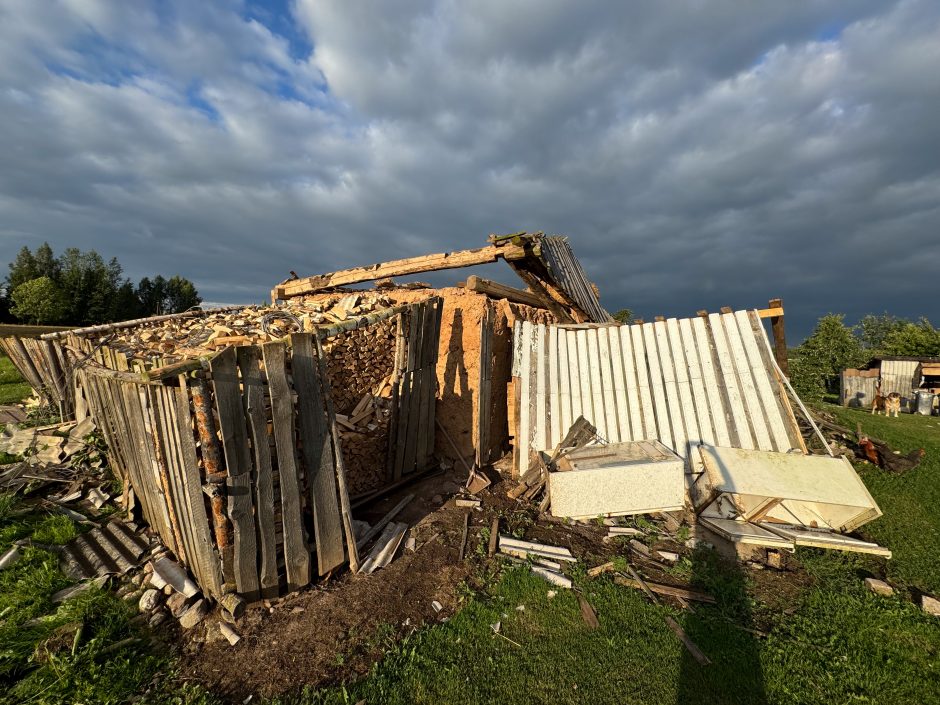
[893, 373]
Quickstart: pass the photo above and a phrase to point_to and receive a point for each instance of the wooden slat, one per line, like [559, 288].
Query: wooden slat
[681, 366]
[765, 393]
[739, 427]
[540, 438]
[523, 443]
[786, 409]
[710, 386]
[574, 375]
[433, 354]
[676, 420]
[617, 357]
[228, 401]
[663, 427]
[597, 383]
[484, 386]
[565, 418]
[340, 465]
[165, 417]
[584, 371]
[554, 392]
[404, 406]
[296, 550]
[249, 364]
[755, 411]
[317, 454]
[607, 385]
[647, 416]
[425, 429]
[706, 432]
[209, 564]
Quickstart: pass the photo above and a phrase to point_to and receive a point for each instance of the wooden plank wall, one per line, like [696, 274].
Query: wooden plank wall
[413, 433]
[703, 380]
[484, 387]
[45, 367]
[275, 495]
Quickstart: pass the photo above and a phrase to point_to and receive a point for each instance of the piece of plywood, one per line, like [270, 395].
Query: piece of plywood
[803, 536]
[812, 488]
[745, 532]
[623, 481]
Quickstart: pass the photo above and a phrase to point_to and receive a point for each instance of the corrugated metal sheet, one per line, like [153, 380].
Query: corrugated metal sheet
[857, 390]
[898, 376]
[694, 380]
[568, 274]
[113, 548]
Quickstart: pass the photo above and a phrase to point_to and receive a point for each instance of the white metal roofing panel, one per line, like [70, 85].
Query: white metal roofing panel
[686, 381]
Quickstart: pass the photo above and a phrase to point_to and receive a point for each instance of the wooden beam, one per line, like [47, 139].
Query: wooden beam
[398, 268]
[780, 336]
[771, 312]
[501, 291]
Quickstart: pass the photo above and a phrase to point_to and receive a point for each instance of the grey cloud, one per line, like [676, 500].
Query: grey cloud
[698, 154]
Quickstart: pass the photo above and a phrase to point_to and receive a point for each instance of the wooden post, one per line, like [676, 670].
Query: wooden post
[780, 337]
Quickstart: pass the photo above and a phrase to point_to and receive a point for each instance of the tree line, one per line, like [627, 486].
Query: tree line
[816, 364]
[80, 288]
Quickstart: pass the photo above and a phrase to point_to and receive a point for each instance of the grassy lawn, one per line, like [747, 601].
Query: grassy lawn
[910, 526]
[41, 658]
[13, 388]
[823, 638]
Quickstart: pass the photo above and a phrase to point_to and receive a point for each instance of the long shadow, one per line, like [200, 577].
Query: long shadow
[725, 633]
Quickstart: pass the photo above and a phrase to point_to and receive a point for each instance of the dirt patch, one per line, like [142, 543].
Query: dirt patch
[336, 632]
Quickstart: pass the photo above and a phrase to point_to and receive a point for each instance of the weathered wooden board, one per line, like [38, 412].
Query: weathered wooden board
[248, 359]
[317, 454]
[296, 550]
[232, 425]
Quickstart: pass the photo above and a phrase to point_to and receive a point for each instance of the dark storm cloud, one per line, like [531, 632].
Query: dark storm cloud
[698, 154]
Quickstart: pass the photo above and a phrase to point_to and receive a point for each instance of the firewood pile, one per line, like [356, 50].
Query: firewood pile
[361, 365]
[182, 338]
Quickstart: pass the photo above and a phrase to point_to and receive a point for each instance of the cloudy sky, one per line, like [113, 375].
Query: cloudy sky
[698, 154]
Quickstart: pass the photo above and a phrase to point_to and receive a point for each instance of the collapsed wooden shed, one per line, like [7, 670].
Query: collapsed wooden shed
[247, 438]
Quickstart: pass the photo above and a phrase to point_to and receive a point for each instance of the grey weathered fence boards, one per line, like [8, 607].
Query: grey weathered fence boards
[238, 465]
[415, 395]
[484, 387]
[44, 366]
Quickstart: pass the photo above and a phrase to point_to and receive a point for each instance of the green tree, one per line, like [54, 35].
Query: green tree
[181, 295]
[152, 295]
[624, 315]
[816, 364]
[125, 304]
[918, 339]
[39, 301]
[89, 284]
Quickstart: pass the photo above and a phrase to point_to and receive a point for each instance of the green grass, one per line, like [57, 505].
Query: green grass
[13, 388]
[910, 526]
[834, 643]
[841, 645]
[41, 661]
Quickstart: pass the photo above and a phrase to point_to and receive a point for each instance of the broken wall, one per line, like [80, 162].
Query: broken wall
[458, 365]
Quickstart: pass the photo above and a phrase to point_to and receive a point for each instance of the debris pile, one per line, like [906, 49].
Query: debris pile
[196, 336]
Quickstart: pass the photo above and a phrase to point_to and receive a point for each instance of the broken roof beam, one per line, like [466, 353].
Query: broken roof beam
[501, 291]
[398, 268]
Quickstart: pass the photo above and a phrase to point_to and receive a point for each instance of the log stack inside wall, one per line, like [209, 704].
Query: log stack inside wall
[361, 365]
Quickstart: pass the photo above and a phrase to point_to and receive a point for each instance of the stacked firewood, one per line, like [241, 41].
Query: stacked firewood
[361, 365]
[182, 338]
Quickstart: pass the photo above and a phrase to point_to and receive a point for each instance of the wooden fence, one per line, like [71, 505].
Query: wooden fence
[43, 364]
[237, 461]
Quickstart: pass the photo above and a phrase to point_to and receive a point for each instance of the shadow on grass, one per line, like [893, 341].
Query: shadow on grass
[721, 631]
